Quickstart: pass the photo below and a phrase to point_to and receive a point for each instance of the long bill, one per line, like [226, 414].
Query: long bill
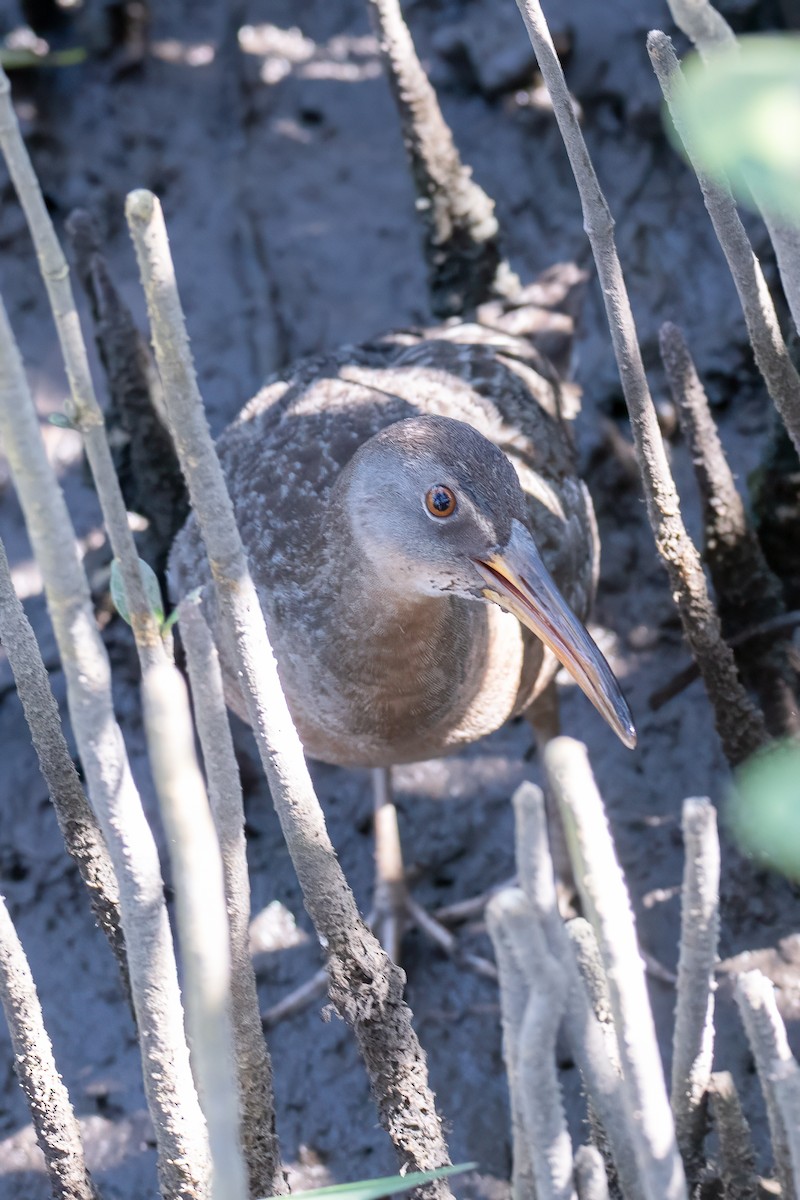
[519, 582]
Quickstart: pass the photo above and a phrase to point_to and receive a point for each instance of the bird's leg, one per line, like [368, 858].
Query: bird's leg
[395, 908]
[391, 890]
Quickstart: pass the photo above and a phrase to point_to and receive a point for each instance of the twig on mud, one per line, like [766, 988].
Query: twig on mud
[588, 1039]
[740, 725]
[687, 675]
[171, 1096]
[462, 243]
[202, 919]
[365, 987]
[57, 1130]
[737, 1156]
[77, 822]
[745, 587]
[709, 31]
[693, 1038]
[82, 407]
[256, 1099]
[591, 1181]
[532, 993]
[769, 348]
[297, 1000]
[766, 1033]
[606, 902]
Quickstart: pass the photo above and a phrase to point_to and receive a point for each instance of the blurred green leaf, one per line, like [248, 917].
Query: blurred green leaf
[742, 108]
[764, 808]
[61, 420]
[152, 592]
[373, 1189]
[12, 60]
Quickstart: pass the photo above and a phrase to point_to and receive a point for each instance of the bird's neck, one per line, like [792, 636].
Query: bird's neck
[369, 629]
[374, 612]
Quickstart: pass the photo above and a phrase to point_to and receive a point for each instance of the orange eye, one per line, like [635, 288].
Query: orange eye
[440, 501]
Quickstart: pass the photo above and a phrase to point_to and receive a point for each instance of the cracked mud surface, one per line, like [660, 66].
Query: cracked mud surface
[278, 160]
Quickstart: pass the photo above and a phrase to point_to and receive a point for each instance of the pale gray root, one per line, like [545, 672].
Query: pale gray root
[258, 1134]
[593, 974]
[709, 31]
[588, 1039]
[701, 22]
[542, 1104]
[785, 238]
[532, 1014]
[82, 407]
[544, 718]
[769, 348]
[607, 905]
[466, 266]
[365, 987]
[737, 1156]
[171, 1096]
[746, 589]
[766, 1033]
[693, 1038]
[590, 965]
[77, 822]
[740, 725]
[513, 1002]
[202, 919]
[590, 1174]
[55, 1124]
[786, 1085]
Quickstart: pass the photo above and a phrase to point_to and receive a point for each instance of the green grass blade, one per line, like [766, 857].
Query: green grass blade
[373, 1189]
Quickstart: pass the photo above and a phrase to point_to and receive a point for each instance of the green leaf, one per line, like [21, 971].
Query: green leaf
[61, 420]
[742, 109]
[152, 592]
[373, 1189]
[764, 808]
[15, 59]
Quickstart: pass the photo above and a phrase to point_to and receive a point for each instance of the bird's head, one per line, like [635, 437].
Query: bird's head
[437, 509]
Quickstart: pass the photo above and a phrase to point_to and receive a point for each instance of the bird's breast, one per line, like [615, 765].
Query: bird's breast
[439, 674]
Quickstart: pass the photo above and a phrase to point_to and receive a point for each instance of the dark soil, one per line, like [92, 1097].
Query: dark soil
[278, 159]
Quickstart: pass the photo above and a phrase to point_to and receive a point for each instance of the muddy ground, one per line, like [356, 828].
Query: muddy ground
[268, 131]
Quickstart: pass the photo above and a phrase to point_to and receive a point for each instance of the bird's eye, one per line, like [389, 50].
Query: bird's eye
[440, 501]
